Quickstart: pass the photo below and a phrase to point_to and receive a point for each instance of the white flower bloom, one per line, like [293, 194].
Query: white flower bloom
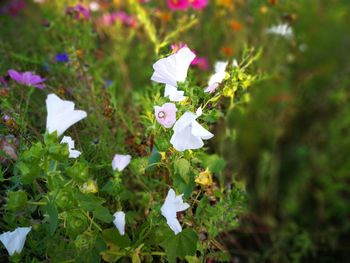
[171, 206]
[120, 161]
[234, 63]
[217, 77]
[283, 30]
[173, 93]
[188, 133]
[14, 241]
[199, 112]
[72, 153]
[119, 222]
[173, 68]
[61, 114]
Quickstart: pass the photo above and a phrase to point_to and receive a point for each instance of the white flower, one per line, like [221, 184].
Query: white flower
[72, 153]
[217, 77]
[173, 68]
[119, 222]
[61, 114]
[120, 161]
[173, 93]
[14, 241]
[188, 133]
[283, 30]
[171, 206]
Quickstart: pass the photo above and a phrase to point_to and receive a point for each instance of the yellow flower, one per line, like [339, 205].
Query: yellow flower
[205, 178]
[163, 155]
[89, 187]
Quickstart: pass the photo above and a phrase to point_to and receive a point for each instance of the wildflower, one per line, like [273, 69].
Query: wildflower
[72, 153]
[171, 206]
[14, 241]
[198, 4]
[61, 114]
[119, 222]
[217, 77]
[173, 68]
[62, 57]
[166, 114]
[27, 78]
[79, 11]
[173, 93]
[90, 186]
[178, 4]
[204, 178]
[120, 161]
[201, 63]
[94, 6]
[283, 30]
[188, 133]
[13, 7]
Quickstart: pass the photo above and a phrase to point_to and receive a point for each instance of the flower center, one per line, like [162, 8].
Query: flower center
[161, 115]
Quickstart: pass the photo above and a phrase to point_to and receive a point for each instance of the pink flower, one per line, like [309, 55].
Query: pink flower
[166, 114]
[79, 11]
[110, 18]
[178, 4]
[27, 78]
[201, 63]
[199, 4]
[185, 4]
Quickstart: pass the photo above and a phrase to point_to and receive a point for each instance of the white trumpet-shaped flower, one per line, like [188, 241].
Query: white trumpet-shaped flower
[61, 114]
[173, 93]
[14, 241]
[72, 152]
[120, 161]
[283, 30]
[188, 133]
[217, 77]
[171, 206]
[119, 222]
[173, 68]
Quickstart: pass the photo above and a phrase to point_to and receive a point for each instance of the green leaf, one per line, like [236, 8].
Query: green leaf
[111, 235]
[53, 215]
[103, 214]
[181, 245]
[182, 167]
[16, 200]
[214, 163]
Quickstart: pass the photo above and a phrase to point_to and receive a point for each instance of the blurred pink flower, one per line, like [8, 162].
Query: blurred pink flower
[166, 114]
[199, 4]
[79, 12]
[201, 62]
[110, 18]
[185, 4]
[13, 7]
[27, 78]
[178, 4]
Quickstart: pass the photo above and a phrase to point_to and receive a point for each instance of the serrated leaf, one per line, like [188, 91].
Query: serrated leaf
[182, 167]
[181, 245]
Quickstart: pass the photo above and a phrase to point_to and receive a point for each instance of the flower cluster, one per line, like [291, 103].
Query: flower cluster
[185, 4]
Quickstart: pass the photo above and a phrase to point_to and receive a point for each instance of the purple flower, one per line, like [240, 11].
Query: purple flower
[80, 10]
[166, 114]
[62, 57]
[27, 78]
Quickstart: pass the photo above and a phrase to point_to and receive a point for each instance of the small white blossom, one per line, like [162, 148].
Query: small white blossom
[173, 93]
[171, 206]
[61, 114]
[282, 30]
[120, 161]
[72, 152]
[217, 77]
[119, 222]
[14, 241]
[173, 68]
[188, 133]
